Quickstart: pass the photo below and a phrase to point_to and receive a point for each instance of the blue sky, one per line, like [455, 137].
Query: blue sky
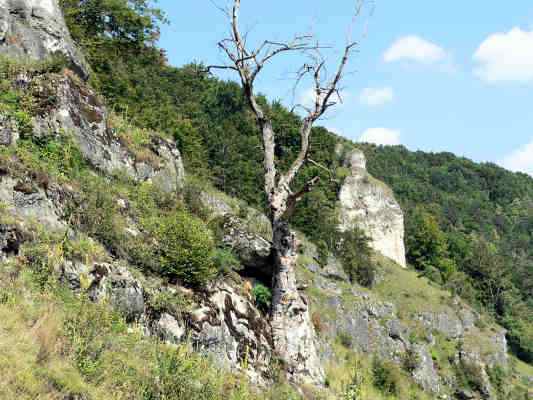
[432, 75]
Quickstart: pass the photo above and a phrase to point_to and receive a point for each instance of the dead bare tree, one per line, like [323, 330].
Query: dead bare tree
[291, 326]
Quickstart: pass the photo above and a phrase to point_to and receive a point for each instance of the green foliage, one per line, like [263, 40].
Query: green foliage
[57, 157]
[427, 248]
[183, 247]
[345, 339]
[98, 215]
[354, 389]
[463, 202]
[163, 301]
[60, 345]
[190, 141]
[355, 254]
[498, 378]
[262, 297]
[43, 257]
[225, 261]
[386, 377]
[484, 218]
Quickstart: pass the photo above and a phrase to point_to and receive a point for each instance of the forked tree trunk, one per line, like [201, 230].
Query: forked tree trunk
[293, 333]
[292, 330]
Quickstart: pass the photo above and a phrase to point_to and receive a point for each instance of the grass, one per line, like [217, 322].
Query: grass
[351, 376]
[410, 292]
[56, 345]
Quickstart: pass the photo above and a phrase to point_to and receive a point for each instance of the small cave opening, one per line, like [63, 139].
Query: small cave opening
[259, 273]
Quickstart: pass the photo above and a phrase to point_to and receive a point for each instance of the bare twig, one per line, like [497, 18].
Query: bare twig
[248, 63]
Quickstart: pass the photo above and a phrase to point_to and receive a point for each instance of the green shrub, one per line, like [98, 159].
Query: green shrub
[355, 255]
[225, 261]
[98, 215]
[345, 339]
[183, 247]
[354, 389]
[498, 378]
[165, 301]
[177, 374]
[88, 327]
[386, 376]
[42, 257]
[262, 297]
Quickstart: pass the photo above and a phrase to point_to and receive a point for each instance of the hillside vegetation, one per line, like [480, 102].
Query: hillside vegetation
[143, 282]
[469, 226]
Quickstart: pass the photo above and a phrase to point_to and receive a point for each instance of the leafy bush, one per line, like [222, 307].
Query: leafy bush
[355, 255]
[183, 247]
[386, 376]
[165, 301]
[98, 215]
[225, 261]
[262, 297]
[354, 388]
[345, 339]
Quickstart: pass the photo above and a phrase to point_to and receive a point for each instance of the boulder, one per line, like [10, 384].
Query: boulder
[253, 250]
[113, 283]
[425, 373]
[169, 329]
[8, 131]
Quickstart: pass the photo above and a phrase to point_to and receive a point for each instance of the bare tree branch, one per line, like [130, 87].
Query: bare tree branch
[249, 63]
[294, 198]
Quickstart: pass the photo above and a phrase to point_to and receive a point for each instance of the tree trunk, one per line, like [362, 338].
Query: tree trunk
[293, 333]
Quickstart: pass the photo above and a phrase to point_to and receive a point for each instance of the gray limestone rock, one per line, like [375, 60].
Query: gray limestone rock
[79, 111]
[370, 205]
[36, 29]
[229, 328]
[169, 329]
[252, 249]
[30, 202]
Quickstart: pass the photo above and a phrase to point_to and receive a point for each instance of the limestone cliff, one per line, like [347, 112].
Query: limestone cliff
[36, 29]
[370, 205]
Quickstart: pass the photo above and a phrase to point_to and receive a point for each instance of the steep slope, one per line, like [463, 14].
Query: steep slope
[100, 227]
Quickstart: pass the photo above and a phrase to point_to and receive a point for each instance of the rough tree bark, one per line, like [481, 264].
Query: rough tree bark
[293, 332]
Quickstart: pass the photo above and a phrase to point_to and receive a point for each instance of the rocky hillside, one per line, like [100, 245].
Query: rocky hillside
[125, 274]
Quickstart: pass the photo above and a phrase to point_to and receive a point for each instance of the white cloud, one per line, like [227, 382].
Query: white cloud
[383, 136]
[506, 57]
[376, 96]
[520, 160]
[415, 49]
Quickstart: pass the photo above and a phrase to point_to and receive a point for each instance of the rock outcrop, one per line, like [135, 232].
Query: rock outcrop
[79, 111]
[370, 205]
[364, 321]
[26, 200]
[36, 29]
[222, 323]
[229, 327]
